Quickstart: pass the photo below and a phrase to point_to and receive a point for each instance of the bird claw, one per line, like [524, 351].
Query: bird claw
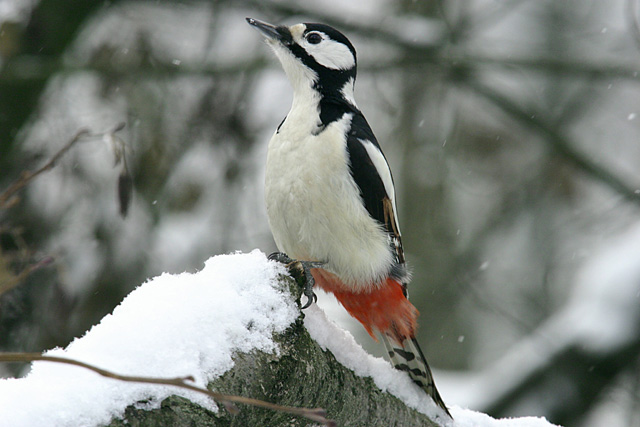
[280, 257]
[301, 271]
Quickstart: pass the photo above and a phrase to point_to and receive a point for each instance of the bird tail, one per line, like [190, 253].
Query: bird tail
[387, 310]
[408, 357]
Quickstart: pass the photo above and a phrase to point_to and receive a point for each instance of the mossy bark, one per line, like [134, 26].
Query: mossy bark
[302, 375]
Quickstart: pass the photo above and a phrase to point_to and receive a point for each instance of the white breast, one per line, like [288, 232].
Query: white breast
[314, 206]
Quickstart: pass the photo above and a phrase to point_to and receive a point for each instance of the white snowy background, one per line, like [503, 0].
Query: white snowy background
[511, 128]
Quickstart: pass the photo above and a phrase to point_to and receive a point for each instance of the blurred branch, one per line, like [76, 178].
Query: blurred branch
[8, 197]
[14, 280]
[317, 415]
[371, 29]
[485, 16]
[419, 53]
[571, 66]
[27, 176]
[588, 373]
[461, 63]
[52, 27]
[559, 143]
[25, 68]
[632, 15]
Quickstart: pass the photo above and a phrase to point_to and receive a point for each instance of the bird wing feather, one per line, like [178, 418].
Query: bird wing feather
[371, 173]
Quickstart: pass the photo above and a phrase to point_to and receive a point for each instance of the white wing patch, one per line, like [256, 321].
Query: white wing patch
[382, 167]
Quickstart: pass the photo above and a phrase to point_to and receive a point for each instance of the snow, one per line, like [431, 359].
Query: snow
[346, 351]
[192, 324]
[603, 312]
[173, 325]
[468, 418]
[601, 315]
[349, 353]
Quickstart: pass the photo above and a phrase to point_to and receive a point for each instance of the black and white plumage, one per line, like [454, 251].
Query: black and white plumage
[330, 195]
[311, 142]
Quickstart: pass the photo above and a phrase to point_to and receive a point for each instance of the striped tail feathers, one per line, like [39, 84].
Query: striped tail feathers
[408, 357]
[386, 310]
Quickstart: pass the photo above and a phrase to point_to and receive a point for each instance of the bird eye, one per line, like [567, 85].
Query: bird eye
[314, 38]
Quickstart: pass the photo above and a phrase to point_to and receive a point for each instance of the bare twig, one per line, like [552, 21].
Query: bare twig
[13, 281]
[27, 176]
[317, 415]
[8, 199]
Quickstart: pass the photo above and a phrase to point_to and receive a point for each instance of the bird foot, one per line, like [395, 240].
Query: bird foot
[301, 272]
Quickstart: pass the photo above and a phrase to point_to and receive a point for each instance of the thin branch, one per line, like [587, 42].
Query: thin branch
[558, 142]
[486, 16]
[317, 415]
[456, 62]
[8, 199]
[13, 281]
[27, 176]
[13, 69]
[567, 363]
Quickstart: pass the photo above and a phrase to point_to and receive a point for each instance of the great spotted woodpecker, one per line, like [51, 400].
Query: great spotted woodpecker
[330, 195]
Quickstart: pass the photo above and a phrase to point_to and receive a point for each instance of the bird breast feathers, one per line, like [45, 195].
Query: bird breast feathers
[315, 208]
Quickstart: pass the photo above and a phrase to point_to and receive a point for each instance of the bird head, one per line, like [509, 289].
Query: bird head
[313, 55]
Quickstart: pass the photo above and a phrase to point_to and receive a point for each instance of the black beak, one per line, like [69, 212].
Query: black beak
[280, 33]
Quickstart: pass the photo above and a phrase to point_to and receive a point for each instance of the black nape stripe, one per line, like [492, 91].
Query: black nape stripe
[329, 82]
[332, 109]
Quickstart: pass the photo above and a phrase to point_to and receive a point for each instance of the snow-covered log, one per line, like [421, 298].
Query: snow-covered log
[236, 328]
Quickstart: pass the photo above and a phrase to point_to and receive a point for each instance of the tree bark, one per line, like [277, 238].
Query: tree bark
[302, 374]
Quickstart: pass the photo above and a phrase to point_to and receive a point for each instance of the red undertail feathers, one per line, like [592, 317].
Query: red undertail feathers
[386, 310]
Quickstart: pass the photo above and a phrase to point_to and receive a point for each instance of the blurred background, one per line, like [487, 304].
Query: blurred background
[512, 128]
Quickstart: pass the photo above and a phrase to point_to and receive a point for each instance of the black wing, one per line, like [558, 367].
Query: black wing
[368, 178]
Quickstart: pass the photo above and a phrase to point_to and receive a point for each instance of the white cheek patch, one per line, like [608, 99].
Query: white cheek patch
[328, 53]
[331, 54]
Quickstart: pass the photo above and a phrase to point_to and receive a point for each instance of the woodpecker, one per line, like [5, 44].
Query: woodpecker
[330, 195]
